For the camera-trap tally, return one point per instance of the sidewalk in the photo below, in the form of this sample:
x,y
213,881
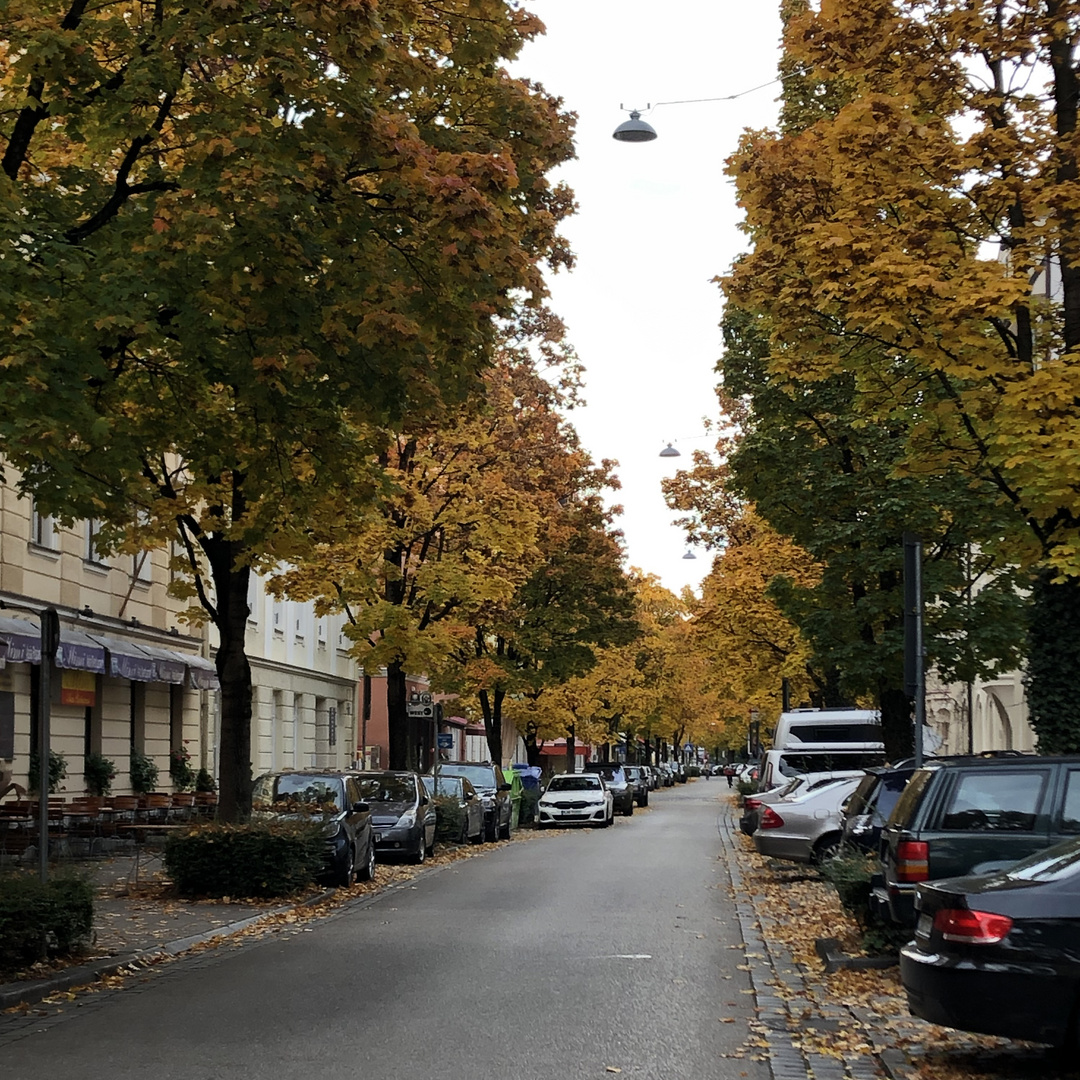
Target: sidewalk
x,y
137,923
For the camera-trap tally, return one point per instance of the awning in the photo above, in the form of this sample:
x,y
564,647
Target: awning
x,y
171,666
22,638
127,660
203,673
78,652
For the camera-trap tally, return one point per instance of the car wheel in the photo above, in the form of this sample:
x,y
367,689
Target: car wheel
x,y
629,811
367,871
463,836
421,851
645,799
610,819
431,846
347,875
490,831
504,830
827,849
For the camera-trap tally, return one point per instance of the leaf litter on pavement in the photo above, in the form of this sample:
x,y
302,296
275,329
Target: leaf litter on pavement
x,y
867,1010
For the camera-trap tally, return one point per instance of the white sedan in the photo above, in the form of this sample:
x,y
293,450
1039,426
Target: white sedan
x,y
576,799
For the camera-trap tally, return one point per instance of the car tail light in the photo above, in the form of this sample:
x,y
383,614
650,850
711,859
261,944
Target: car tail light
x,y
770,819
972,927
913,861
751,804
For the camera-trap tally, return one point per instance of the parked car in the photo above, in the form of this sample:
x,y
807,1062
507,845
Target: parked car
x,y
640,781
469,804
576,799
494,792
805,826
335,797
667,777
998,953
402,814
866,812
652,774
622,791
752,804
777,764
678,771
973,815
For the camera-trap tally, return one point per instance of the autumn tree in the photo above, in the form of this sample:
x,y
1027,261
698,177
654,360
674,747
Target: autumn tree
x,y
921,238
240,240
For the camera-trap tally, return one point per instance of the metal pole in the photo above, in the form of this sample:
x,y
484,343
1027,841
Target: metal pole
x,y
914,673
50,642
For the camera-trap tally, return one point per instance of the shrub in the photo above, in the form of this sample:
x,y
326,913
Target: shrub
x,y
180,770
693,770
449,816
271,858
851,874
57,770
98,773
204,781
143,771
38,919
745,787
529,798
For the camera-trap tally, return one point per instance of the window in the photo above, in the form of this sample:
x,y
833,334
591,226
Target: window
x,y
91,554
320,630
277,615
996,801
254,595
141,568
1070,813
300,623
42,529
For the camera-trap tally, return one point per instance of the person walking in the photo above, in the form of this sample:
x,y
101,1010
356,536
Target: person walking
x,y
729,772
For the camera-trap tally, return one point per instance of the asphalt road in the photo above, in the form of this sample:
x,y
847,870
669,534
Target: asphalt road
x,y
563,957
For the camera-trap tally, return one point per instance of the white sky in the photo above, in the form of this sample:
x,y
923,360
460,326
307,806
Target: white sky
x,y
656,222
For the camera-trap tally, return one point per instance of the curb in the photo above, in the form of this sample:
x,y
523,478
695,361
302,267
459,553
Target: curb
x,y
30,993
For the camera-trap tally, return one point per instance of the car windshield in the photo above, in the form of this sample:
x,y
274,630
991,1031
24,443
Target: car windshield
x,y
388,789
574,783
322,791
1047,865
448,785
477,775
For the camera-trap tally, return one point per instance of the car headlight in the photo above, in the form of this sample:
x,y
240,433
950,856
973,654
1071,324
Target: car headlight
x,y
331,829
407,821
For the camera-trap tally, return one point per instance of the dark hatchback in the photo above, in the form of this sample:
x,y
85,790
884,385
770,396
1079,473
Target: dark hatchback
x,y
1000,953
871,804
338,800
494,793
618,783
402,815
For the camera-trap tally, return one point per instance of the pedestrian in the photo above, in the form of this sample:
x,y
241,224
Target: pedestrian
x,y
729,772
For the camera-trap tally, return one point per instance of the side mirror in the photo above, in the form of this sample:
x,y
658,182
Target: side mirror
x,y
360,808
470,795
506,787
424,800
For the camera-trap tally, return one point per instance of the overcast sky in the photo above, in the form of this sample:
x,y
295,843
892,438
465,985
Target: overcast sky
x,y
656,222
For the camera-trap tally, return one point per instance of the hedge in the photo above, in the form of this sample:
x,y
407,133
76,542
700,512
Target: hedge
x,y
40,919
449,815
272,858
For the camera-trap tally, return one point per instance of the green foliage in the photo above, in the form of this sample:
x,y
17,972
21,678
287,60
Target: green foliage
x,y
204,781
745,787
693,770
183,775
98,773
57,770
143,771
1050,677
449,816
37,919
259,859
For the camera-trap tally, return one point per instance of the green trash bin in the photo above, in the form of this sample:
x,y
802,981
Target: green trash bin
x,y
512,777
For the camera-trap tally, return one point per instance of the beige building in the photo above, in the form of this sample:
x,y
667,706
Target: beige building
x,y
998,715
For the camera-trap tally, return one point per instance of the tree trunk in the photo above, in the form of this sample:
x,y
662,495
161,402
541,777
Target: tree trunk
x,y
657,759
532,746
491,707
402,749
1054,663
571,764
234,674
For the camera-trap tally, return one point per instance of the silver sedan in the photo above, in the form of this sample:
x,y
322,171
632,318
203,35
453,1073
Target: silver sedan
x,y
804,826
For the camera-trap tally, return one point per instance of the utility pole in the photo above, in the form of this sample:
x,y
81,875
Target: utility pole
x,y
914,675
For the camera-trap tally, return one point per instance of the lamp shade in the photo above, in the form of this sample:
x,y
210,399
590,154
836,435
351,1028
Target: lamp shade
x,y
689,554
634,130
670,451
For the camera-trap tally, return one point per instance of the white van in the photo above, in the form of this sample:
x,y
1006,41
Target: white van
x,y
829,729
778,765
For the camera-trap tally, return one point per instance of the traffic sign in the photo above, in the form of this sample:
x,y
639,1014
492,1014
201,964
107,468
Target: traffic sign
x,y
445,740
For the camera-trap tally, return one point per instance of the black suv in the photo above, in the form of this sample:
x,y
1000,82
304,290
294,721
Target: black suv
x,y
639,778
338,800
618,783
973,815
493,790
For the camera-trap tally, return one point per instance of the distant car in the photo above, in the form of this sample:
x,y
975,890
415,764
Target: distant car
x,y
464,797
997,953
638,777
804,826
678,772
667,777
402,814
493,790
870,806
622,790
652,776
335,797
576,799
752,804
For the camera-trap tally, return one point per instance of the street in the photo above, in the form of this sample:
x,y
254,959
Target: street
x,y
561,956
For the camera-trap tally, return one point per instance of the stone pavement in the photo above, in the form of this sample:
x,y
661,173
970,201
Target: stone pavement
x,y
136,921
